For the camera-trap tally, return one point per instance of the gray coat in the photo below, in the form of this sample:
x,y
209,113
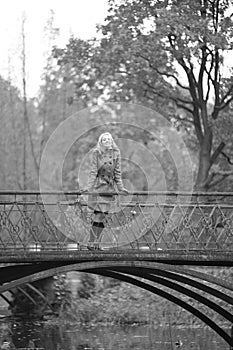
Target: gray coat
x,y
104,176
105,173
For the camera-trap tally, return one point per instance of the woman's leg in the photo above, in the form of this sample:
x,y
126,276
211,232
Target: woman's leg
x,y
96,229
95,232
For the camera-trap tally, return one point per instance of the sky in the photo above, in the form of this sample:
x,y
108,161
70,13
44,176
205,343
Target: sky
x,y
72,17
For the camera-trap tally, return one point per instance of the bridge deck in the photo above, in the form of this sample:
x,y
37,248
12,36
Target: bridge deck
x,y
214,258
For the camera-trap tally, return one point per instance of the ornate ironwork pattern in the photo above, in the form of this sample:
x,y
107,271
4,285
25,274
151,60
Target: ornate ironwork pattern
x,y
146,221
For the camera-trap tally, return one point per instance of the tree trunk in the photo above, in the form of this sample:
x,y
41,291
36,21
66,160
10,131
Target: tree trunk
x,y
204,162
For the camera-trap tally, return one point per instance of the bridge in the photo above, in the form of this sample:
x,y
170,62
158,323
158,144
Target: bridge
x,y
162,237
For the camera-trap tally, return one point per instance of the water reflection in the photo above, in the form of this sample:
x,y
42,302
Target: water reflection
x,y
35,335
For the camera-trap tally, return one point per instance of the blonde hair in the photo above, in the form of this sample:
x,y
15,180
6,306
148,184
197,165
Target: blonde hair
x,y
99,145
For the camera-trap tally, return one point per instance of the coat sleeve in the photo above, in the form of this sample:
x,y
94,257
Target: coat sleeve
x,y
93,171
117,173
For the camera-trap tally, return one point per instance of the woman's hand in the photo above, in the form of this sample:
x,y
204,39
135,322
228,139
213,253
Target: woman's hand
x,y
83,190
82,195
124,191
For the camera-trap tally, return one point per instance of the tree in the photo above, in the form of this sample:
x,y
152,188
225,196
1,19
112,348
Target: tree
x,y
50,35
159,51
184,36
85,68
10,135
28,143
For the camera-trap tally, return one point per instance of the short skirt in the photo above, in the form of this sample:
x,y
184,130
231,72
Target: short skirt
x,y
101,203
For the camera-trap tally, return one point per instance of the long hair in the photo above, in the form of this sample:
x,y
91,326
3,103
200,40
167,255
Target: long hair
x,y
100,147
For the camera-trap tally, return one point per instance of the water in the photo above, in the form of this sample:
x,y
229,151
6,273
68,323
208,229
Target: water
x,y
31,335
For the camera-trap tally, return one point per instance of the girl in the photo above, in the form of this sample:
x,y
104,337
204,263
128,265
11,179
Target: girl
x,y
105,176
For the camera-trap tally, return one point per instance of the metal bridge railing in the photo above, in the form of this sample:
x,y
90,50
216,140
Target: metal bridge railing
x,y
33,221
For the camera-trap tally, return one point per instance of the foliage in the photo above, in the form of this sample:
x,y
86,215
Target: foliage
x,y
27,303
10,140
168,55
183,42
62,294
126,304
15,136
87,286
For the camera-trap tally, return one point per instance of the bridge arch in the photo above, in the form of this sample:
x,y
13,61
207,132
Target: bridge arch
x,y
147,270
174,299
174,286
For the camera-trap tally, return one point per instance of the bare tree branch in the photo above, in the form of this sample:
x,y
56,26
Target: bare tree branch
x,y
209,76
191,79
201,72
221,107
217,152
25,109
13,115
173,98
169,75
227,94
210,182
190,121
179,105
24,105
217,181
216,86
227,157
